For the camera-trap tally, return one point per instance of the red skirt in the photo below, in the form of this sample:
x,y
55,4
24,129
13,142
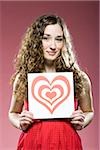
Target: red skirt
x,y
50,135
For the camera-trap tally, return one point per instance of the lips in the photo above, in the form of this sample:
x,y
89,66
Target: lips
x,y
51,53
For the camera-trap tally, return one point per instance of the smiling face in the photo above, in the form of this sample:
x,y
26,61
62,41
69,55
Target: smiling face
x,y
52,41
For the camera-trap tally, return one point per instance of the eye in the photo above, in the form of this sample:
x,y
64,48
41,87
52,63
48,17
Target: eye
x,y
59,39
45,38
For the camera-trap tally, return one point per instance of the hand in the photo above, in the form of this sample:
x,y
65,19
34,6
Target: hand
x,y
25,120
77,119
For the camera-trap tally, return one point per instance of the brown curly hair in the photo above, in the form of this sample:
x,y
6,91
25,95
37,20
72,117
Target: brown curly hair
x,y
30,57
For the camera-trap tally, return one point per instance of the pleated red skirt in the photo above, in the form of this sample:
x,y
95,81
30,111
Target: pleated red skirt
x,y
50,135
54,134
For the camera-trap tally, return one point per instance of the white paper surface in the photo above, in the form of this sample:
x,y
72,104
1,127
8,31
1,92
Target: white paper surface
x,y
51,95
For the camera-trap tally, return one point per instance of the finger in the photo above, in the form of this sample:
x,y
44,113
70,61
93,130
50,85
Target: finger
x,y
24,126
78,127
26,114
80,118
25,122
78,113
37,120
77,123
24,118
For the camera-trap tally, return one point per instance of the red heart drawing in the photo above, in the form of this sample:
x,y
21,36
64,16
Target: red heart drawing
x,y
51,95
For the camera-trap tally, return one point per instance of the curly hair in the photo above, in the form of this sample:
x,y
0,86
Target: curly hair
x,y
30,57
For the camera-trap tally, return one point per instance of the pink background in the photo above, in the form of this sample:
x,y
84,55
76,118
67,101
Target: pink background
x,y
83,22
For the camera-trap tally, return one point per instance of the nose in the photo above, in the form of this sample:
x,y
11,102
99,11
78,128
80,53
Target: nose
x,y
53,45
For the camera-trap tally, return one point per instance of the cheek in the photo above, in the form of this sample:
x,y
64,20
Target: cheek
x,y
45,45
60,46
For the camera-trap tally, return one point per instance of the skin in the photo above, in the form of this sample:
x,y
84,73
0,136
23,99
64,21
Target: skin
x,y
53,43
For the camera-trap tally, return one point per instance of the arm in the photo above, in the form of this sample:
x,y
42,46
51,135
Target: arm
x,y
84,115
19,118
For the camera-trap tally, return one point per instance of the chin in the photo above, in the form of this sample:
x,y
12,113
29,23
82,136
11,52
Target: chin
x,y
52,58
49,61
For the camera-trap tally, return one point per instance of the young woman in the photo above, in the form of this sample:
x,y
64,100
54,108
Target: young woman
x,y
47,47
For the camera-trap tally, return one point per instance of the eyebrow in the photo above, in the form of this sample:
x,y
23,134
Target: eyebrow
x,y
47,34
50,35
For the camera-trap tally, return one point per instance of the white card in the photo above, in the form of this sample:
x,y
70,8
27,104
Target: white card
x,y
51,95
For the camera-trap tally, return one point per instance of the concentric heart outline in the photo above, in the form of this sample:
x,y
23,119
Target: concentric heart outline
x,y
42,78
45,86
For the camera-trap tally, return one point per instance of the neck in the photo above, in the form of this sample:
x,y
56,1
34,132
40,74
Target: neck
x,y
49,66
49,69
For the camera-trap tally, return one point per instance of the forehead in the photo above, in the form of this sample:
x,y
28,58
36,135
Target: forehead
x,y
53,29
